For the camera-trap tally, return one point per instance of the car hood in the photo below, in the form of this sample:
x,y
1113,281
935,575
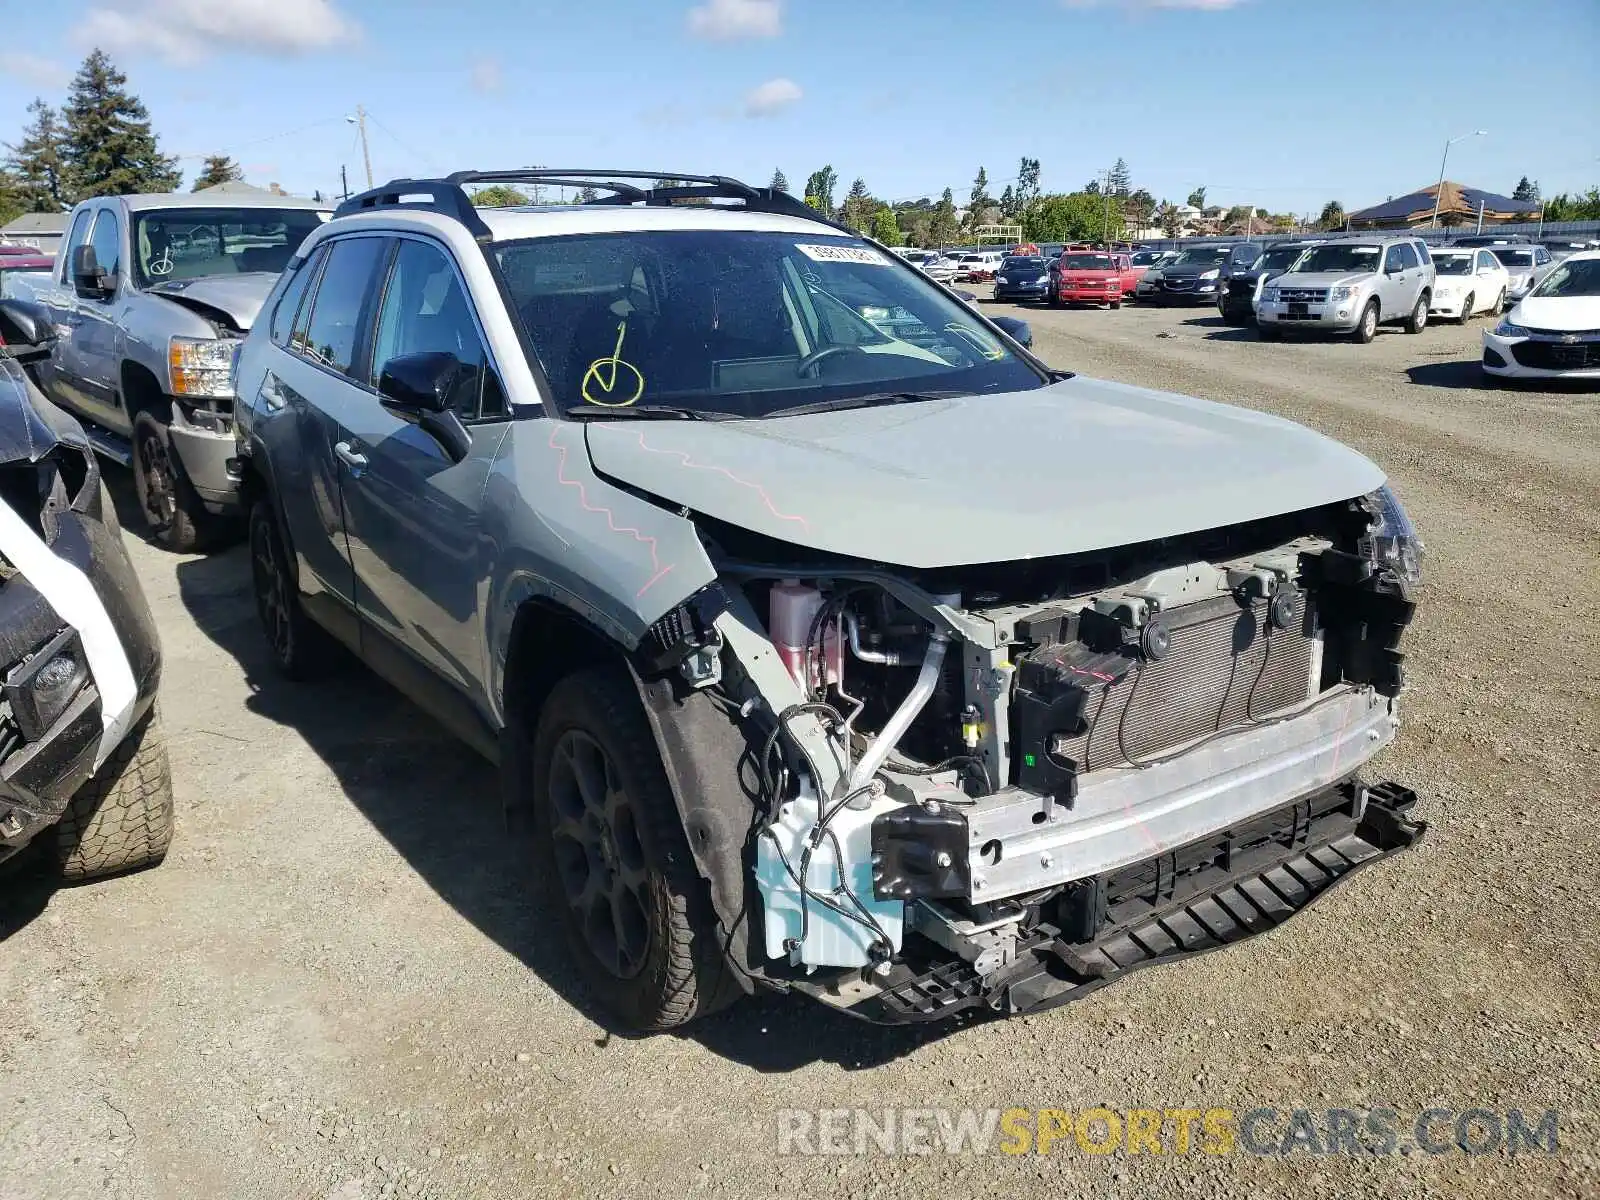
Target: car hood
x,y
1080,273
1322,279
237,297
1025,273
935,484
1192,270
1565,314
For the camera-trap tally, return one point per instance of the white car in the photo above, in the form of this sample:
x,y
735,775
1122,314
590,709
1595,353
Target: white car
x,y
1555,332
1470,281
940,268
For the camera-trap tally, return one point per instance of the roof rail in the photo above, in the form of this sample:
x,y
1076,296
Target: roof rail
x,y
449,197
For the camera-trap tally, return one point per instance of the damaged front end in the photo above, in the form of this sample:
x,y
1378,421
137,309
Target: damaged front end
x,y
1004,785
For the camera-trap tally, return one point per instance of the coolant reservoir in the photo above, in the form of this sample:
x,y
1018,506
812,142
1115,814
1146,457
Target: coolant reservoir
x,y
794,608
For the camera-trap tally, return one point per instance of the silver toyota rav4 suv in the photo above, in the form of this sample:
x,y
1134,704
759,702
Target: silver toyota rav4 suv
x,y
827,640
1351,286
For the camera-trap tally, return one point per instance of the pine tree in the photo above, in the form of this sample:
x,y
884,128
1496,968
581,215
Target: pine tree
x,y
819,189
1008,203
219,168
110,150
1526,190
587,195
35,163
1027,182
1121,178
858,206
885,229
942,230
780,182
979,199
1197,198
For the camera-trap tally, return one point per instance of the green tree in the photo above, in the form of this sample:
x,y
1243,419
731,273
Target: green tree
x,y
885,229
1197,198
109,147
1121,179
1027,183
11,205
219,168
1008,203
498,195
36,164
1092,188
1171,219
819,189
1140,207
979,199
859,207
1585,206
780,182
943,227
1077,217
1332,216
1526,190
588,195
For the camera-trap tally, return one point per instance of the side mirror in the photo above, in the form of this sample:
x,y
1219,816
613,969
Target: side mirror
x,y
87,278
419,388
1017,330
25,329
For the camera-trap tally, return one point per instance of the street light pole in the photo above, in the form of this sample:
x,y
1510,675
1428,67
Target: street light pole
x,y
1438,192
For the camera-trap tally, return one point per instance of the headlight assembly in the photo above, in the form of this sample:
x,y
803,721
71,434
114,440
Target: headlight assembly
x,y
1269,295
1507,329
201,367
1210,274
1392,539
1340,293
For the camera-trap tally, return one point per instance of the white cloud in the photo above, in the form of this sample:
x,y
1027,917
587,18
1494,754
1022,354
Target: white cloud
x,y
771,97
33,70
186,31
731,20
487,76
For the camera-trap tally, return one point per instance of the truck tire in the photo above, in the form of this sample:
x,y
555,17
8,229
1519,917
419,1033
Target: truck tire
x,y
121,818
614,861
173,514
300,648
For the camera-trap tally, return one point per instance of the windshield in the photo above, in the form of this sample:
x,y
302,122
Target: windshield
x,y
1513,258
1338,258
191,243
1145,257
1022,264
1279,258
1086,262
745,324
1208,257
1581,278
1452,264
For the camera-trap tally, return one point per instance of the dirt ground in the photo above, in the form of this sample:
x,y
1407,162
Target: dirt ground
x,y
337,986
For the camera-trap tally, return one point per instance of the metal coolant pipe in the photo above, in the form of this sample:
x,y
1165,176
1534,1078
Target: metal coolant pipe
x,y
895,727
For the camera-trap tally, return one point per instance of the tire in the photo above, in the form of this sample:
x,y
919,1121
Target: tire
x,y
1418,320
1500,303
300,648
1367,327
1466,308
173,514
121,818
614,861
1269,333
1116,304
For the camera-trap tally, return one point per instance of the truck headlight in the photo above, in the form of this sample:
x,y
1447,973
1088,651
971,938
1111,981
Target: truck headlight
x,y
1340,293
1392,539
1269,295
201,367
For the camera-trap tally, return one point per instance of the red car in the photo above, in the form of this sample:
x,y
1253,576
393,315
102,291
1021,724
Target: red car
x,y
22,260
1089,277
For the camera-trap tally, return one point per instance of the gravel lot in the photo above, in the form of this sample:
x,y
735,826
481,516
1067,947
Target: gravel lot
x,y
335,986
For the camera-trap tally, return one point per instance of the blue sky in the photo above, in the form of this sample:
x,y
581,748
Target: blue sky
x,y
1280,103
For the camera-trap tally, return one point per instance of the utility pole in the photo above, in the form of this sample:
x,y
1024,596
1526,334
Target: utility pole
x,y
366,155
1105,188
344,184
1438,192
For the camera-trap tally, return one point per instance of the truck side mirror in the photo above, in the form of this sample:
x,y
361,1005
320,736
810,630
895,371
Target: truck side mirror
x,y
87,278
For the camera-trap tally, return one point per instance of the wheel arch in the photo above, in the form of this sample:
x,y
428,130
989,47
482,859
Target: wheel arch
x,y
142,392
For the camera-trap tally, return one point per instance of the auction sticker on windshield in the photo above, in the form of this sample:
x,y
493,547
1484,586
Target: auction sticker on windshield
x,y
850,254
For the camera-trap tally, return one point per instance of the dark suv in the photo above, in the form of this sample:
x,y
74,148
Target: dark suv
x,y
1196,275
1237,302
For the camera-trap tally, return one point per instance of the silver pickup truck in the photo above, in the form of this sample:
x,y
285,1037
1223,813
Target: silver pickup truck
x,y
150,296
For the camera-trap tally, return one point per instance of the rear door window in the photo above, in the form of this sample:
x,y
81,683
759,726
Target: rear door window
x,y
333,336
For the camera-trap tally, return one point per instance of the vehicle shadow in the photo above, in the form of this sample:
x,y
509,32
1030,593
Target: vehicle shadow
x,y
1459,375
1220,331
438,803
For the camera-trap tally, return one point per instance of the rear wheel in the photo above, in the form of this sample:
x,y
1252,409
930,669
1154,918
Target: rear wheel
x,y
173,513
614,860
1367,327
1418,320
1466,309
1500,302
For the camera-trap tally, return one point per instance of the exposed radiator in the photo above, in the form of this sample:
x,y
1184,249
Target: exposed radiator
x,y
1225,665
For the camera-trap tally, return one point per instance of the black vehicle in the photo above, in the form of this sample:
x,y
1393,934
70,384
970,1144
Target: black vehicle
x,y
1023,278
1195,276
1237,300
81,748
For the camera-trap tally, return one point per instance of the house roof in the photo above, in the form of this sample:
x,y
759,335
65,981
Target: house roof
x,y
37,223
240,188
1456,197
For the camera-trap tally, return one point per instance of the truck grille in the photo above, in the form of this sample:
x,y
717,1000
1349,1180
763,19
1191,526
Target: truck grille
x,y
1224,666
1557,356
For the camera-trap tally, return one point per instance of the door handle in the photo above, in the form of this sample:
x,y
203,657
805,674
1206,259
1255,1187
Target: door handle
x,y
356,462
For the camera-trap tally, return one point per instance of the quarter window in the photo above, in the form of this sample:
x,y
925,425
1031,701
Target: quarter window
x,y
289,303
425,310
340,307
107,242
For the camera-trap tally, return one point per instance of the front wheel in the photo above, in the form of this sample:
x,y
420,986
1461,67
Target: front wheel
x,y
1418,320
1367,327
173,513
1466,309
1500,302
614,860
1116,304
121,819
300,648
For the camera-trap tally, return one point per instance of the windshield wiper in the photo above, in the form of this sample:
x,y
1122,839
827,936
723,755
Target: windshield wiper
x,y
642,412
872,401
